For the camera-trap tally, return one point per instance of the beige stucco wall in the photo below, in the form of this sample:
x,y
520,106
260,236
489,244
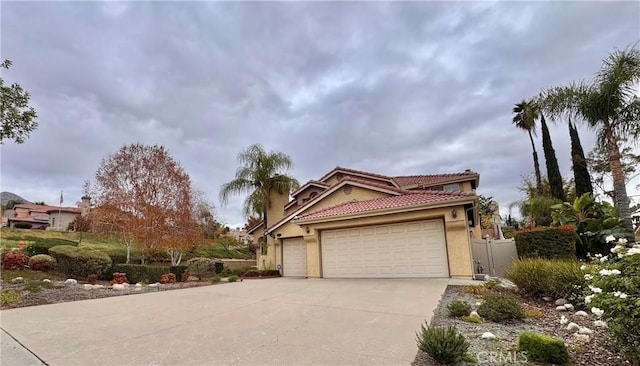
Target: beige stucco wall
x,y
61,221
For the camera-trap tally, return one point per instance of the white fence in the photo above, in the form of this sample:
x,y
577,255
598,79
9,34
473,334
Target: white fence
x,y
492,257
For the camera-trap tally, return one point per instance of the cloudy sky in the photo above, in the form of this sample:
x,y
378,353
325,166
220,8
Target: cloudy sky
x,y
393,88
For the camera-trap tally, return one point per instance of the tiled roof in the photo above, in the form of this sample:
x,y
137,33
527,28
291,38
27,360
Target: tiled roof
x,y
64,209
45,208
254,227
349,178
406,200
311,182
346,170
431,179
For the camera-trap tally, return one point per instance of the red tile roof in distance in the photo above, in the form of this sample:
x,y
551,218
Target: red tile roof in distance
x,y
45,208
430,179
416,198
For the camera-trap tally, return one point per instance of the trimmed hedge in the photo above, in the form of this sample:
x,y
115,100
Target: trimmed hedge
x,y
80,262
22,225
201,267
547,277
42,262
551,243
42,245
543,348
149,274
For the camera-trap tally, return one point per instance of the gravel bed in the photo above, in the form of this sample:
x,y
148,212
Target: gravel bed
x,y
504,348
65,293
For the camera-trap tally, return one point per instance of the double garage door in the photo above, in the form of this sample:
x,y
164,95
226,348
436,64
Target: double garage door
x,y
413,249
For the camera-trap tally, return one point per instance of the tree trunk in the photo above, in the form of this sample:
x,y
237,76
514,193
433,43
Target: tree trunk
x,y
619,187
536,166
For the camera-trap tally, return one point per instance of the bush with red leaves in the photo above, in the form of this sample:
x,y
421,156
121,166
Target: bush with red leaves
x,y
42,262
168,278
92,278
119,278
14,260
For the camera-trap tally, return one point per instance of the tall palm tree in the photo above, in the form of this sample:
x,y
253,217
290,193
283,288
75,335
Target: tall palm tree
x,y
608,104
259,174
525,119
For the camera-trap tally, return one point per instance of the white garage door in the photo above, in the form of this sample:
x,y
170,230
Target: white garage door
x,y
294,261
413,249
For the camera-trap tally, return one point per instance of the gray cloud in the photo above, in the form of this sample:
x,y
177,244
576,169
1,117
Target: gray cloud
x,y
394,88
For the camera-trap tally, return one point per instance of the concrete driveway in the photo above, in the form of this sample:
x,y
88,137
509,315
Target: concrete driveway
x,y
281,321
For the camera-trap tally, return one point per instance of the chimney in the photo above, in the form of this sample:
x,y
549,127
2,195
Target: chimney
x,y
85,205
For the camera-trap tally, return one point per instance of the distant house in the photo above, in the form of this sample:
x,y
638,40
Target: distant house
x,y
46,217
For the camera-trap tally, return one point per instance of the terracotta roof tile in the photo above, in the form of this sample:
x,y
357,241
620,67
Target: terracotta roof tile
x,y
317,182
415,198
347,170
45,208
430,179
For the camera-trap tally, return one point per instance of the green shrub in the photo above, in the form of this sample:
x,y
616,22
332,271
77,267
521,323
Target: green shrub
x,y
80,262
141,273
37,286
458,308
551,243
543,348
178,271
22,225
446,346
261,273
216,279
201,267
242,271
29,250
42,262
42,245
471,319
500,308
233,278
547,277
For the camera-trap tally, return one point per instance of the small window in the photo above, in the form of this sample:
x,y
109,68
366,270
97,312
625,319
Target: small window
x,y
451,187
313,195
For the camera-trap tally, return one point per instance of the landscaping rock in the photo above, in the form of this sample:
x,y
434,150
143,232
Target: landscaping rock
x,y
138,284
17,280
563,320
193,278
98,286
547,299
582,338
46,280
474,314
71,282
569,307
561,308
117,286
585,330
581,313
573,327
560,302
599,324
488,335
155,284
88,286
478,303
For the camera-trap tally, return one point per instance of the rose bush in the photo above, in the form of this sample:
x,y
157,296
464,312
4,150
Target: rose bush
x,y
615,293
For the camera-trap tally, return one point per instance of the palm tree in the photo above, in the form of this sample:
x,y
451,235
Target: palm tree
x,y
525,119
259,174
608,104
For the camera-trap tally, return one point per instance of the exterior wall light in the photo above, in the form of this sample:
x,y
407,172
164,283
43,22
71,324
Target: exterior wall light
x,y
454,213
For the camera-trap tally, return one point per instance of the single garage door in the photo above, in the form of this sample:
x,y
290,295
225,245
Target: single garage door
x,y
413,249
294,257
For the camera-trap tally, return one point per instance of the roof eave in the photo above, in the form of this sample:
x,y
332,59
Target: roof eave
x,y
388,211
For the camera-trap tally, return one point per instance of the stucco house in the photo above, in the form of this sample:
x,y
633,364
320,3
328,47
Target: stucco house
x,y
355,224
48,217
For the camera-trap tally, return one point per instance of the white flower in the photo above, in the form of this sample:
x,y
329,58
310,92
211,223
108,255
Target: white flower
x,y
588,277
622,241
597,312
633,251
583,267
587,299
619,294
595,290
609,272
604,259
598,255
615,272
610,238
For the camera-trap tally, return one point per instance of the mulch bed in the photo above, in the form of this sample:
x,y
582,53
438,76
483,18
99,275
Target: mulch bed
x,y
591,353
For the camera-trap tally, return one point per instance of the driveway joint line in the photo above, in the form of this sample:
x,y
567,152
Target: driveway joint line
x,y
25,347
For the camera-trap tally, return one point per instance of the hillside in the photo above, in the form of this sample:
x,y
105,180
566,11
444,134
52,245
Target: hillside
x,y
8,196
